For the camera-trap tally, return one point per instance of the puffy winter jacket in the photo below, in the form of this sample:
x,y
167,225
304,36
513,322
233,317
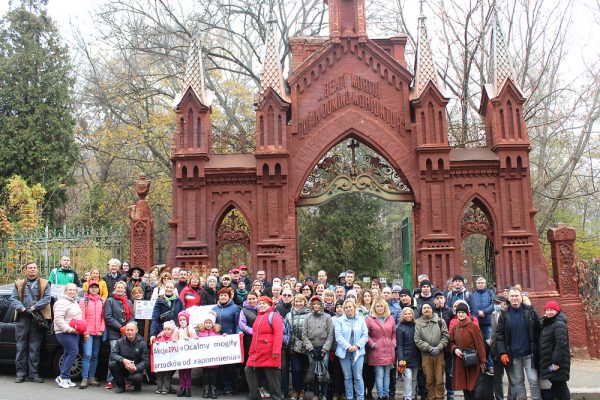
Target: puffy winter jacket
x,y
101,285
429,333
190,296
296,319
136,351
483,300
554,348
453,296
228,316
406,349
247,318
267,339
160,307
317,331
65,309
114,317
92,310
382,340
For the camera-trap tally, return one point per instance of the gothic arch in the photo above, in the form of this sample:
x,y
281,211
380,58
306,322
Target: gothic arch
x,y
474,225
342,126
238,234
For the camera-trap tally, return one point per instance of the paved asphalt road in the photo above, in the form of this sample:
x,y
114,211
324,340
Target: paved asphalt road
x,y
584,384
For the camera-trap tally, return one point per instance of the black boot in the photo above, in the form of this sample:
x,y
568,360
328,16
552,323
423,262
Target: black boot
x,y
213,392
188,392
206,392
181,392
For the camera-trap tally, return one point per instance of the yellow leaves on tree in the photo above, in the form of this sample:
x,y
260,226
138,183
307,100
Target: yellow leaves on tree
x,y
22,206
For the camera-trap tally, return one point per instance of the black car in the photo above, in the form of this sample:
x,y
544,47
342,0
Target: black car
x,y
51,355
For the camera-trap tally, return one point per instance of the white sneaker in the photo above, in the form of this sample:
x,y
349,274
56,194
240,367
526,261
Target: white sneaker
x,y
71,384
63,383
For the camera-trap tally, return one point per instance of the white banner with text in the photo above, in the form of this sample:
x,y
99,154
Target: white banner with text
x,y
197,353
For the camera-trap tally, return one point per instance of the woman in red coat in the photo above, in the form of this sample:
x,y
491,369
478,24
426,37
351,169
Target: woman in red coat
x,y
265,350
466,335
381,345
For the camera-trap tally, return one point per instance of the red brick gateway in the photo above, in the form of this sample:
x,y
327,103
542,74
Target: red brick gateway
x,y
348,88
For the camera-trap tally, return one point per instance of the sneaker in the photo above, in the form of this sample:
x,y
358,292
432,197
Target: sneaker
x,y
301,395
83,384
63,383
37,379
108,385
71,384
19,379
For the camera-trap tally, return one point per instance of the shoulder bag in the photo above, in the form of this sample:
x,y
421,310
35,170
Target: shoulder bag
x,y
469,355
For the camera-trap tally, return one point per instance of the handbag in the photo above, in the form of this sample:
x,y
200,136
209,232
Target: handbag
x,y
167,315
484,389
39,321
469,355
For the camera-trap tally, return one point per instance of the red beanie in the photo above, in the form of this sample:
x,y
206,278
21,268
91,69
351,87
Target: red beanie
x,y
553,305
79,325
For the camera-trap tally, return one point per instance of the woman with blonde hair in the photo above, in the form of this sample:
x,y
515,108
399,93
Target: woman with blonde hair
x,y
159,290
66,312
407,352
96,276
382,345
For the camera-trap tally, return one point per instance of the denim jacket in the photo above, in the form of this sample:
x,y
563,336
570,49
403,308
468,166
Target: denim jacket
x,y
343,332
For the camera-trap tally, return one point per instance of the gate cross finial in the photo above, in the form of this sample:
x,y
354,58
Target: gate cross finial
x,y
352,146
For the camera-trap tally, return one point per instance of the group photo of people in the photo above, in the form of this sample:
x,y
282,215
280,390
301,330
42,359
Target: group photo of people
x,y
311,338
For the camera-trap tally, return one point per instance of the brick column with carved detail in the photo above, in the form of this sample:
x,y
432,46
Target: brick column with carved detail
x,y
141,233
564,270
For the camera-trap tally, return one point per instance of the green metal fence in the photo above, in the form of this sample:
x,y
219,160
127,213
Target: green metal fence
x,y
87,248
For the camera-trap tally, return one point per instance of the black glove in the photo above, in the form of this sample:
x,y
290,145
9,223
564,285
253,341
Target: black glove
x,y
315,354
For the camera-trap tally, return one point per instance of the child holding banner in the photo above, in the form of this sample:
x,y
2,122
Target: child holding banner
x,y
163,378
209,374
185,332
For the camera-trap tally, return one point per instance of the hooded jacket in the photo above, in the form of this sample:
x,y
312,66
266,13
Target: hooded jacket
x,y
296,320
190,296
317,331
430,333
267,340
92,310
504,334
554,348
65,309
382,340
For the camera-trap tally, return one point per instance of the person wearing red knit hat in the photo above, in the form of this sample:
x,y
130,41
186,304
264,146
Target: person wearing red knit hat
x,y
555,355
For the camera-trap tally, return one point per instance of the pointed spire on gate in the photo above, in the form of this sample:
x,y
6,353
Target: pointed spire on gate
x,y
272,76
194,74
499,67
425,70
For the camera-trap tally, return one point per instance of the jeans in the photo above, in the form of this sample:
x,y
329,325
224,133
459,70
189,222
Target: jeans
x,y
90,350
486,332
353,370
382,380
449,369
321,389
519,367
299,366
70,344
109,375
410,383
29,341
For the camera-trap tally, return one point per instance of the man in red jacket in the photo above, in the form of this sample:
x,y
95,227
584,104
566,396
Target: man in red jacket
x,y
265,350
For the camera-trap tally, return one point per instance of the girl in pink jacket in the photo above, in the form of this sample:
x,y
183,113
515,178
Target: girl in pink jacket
x,y
185,332
93,314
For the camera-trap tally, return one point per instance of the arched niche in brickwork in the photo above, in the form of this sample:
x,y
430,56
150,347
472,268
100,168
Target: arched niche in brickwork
x,y
233,238
478,240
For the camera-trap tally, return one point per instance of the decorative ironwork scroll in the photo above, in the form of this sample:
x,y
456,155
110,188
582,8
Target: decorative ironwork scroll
x,y
475,220
350,168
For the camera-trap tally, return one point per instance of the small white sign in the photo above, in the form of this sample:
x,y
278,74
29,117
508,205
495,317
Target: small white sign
x,y
382,280
366,279
143,309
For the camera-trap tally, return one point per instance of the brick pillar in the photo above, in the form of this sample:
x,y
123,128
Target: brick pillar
x,y
564,271
141,231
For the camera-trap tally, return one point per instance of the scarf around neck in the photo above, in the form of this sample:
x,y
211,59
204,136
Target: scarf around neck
x,y
170,299
125,303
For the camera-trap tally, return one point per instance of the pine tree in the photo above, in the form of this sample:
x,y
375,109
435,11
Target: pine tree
x,y
36,122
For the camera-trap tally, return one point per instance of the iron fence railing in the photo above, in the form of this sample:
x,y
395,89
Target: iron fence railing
x,y
87,248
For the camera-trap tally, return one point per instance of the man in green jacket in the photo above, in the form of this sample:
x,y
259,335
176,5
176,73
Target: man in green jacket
x,y
431,337
64,274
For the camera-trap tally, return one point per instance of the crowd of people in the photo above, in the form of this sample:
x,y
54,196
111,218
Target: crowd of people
x,y
341,340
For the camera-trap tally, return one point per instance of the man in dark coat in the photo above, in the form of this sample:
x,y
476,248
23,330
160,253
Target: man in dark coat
x,y
555,354
128,359
114,275
31,294
517,342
